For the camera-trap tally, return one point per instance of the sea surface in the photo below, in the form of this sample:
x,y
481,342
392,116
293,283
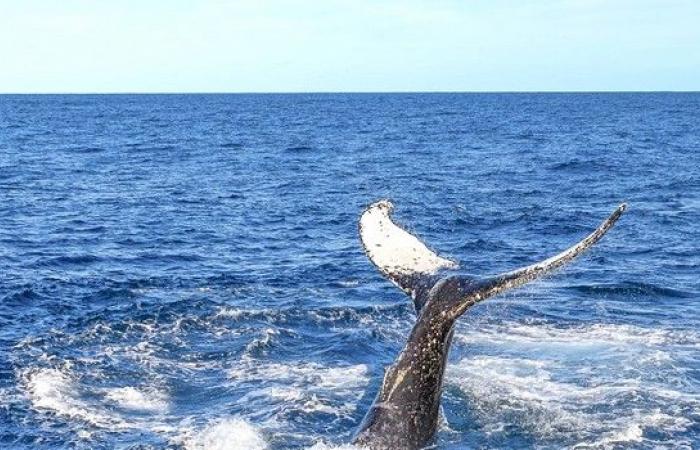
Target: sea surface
x,y
184,271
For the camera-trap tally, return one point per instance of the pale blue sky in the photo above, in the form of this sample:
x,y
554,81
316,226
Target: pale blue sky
x,y
348,45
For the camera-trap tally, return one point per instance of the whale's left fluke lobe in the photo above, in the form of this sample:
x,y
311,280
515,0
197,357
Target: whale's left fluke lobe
x,y
399,255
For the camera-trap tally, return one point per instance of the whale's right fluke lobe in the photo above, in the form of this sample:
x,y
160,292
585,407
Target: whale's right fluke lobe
x,y
518,277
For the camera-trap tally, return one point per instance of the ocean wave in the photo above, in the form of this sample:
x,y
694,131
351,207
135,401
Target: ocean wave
x,y
306,387
631,289
88,413
299,149
22,295
84,149
231,145
96,229
259,346
635,430
70,260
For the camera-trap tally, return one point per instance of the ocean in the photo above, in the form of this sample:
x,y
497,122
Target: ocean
x,y
184,271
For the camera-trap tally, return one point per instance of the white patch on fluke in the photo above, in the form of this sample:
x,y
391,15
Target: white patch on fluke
x,y
393,250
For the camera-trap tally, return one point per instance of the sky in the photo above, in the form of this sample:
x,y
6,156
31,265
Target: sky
x,y
348,45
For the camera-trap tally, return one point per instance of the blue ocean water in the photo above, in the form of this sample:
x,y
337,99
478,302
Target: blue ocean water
x,y
184,271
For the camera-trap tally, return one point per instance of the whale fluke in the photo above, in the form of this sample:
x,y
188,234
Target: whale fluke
x,y
405,413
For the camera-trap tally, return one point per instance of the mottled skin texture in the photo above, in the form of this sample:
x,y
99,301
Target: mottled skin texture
x,y
405,414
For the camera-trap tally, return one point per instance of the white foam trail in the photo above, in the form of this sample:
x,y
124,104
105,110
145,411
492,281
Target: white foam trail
x,y
55,391
229,434
607,334
633,433
140,400
322,446
306,387
312,374
563,384
303,387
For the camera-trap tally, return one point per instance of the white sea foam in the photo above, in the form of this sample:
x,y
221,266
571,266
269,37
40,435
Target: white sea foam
x,y
142,400
300,373
305,387
587,335
563,384
90,407
59,392
237,313
323,446
55,391
229,434
231,313
632,431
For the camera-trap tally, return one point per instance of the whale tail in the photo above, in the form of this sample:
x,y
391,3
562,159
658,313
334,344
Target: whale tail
x,y
415,269
405,412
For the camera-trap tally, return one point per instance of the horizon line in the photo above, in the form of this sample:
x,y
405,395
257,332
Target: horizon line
x,y
664,91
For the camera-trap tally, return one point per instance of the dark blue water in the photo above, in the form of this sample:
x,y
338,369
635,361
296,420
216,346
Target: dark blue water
x,y
185,272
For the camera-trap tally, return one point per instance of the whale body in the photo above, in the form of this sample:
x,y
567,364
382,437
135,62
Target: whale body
x,y
405,413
